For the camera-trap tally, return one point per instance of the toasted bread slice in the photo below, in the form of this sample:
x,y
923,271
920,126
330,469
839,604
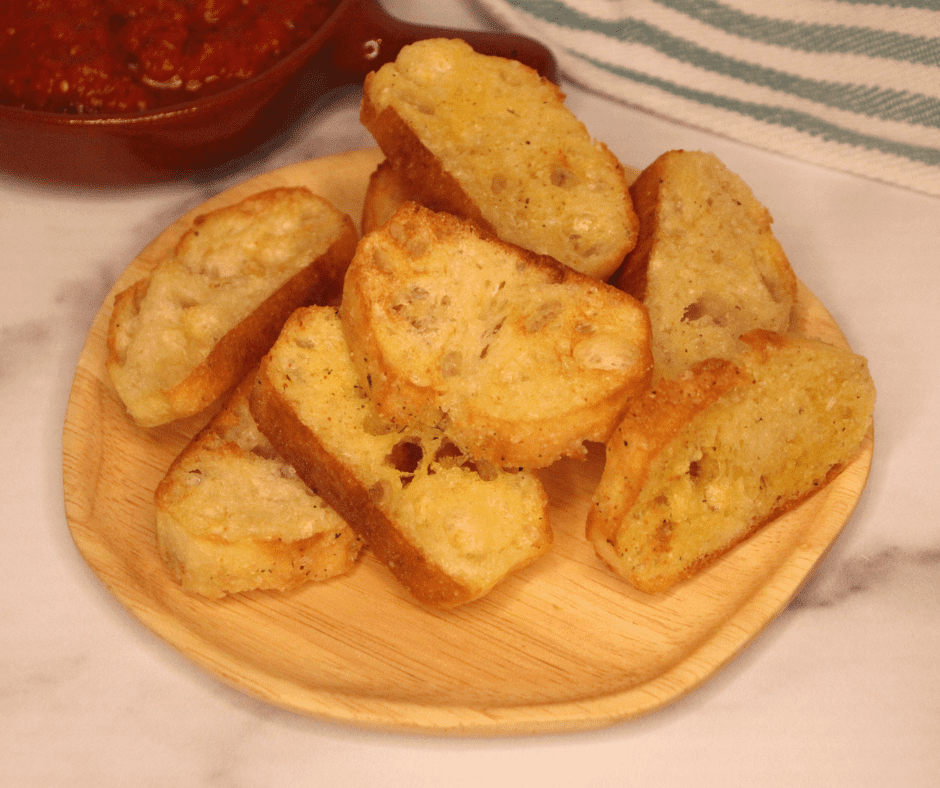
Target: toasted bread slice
x,y
448,528
232,516
488,139
704,460
184,335
706,265
385,194
519,358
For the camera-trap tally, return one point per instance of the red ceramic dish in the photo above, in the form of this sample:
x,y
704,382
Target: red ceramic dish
x,y
215,131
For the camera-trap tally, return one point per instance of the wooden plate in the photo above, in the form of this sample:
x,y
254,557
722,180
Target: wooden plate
x,y
563,645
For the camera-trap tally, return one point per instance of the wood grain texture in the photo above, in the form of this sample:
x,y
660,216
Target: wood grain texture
x,y
563,645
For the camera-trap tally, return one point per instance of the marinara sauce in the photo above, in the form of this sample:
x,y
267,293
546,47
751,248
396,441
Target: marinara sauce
x,y
124,56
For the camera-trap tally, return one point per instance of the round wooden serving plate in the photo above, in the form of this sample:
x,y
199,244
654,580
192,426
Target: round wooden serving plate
x,y
563,645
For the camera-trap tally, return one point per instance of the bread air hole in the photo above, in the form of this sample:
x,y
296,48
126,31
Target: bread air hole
x,y
563,178
485,470
382,259
450,365
185,301
702,469
416,100
305,343
405,457
707,305
542,316
511,76
416,246
591,251
378,492
662,536
375,424
449,455
417,293
773,287
605,351
488,335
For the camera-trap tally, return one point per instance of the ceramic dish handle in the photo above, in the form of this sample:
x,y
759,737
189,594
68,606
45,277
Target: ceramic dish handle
x,y
370,37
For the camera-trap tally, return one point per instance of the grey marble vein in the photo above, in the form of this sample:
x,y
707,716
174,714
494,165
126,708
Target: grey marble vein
x,y
915,571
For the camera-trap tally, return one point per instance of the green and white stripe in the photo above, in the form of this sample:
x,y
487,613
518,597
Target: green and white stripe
x,y
843,83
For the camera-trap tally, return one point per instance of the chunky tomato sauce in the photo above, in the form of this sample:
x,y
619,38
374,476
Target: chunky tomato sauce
x,y
122,56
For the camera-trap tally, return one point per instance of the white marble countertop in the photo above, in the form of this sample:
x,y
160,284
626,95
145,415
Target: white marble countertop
x,y
843,689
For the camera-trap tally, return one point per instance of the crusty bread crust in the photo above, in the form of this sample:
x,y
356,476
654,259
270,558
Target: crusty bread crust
x,y
489,140
343,489
419,174
706,263
367,497
704,460
215,569
652,422
632,277
152,402
231,515
519,358
385,194
239,350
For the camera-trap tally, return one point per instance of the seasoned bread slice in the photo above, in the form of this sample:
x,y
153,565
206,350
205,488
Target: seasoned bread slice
x,y
185,334
448,528
706,265
488,139
704,460
232,516
385,194
518,358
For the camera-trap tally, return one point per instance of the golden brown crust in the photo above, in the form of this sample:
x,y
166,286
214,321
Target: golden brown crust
x,y
231,516
385,194
420,173
490,141
126,306
164,355
632,275
240,350
337,485
366,505
214,569
518,373
650,423
705,460
706,263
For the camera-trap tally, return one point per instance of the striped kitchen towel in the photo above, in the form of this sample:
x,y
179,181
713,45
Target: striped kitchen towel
x,y
847,84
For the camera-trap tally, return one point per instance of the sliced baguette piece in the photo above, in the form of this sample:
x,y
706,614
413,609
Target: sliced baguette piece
x,y
185,334
707,264
232,516
703,460
385,194
518,358
488,139
447,527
